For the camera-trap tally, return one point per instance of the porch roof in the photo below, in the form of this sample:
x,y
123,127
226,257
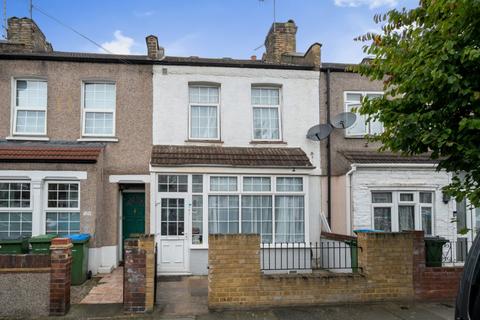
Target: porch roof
x,y
171,156
49,152
362,156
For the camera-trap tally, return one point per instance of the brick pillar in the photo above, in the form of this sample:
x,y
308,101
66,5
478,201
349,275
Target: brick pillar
x,y
418,260
60,277
138,288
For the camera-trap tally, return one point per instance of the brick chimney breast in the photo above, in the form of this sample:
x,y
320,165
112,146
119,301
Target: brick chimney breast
x,y
281,39
154,51
24,35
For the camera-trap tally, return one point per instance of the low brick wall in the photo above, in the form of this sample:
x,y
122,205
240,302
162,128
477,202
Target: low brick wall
x,y
236,281
437,283
139,274
24,277
36,285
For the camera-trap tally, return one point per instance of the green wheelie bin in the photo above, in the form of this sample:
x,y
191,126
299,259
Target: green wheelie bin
x,y
41,244
79,257
14,245
434,251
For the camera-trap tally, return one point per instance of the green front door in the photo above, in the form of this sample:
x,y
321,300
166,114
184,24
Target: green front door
x,y
133,214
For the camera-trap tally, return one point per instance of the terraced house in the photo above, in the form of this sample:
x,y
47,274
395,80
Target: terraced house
x,y
184,147
75,137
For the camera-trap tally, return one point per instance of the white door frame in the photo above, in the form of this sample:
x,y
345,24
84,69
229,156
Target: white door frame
x,y
186,235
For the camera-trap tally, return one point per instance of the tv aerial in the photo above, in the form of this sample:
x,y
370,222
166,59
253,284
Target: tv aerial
x,y
342,120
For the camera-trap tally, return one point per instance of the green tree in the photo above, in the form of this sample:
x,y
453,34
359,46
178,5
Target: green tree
x,y
429,61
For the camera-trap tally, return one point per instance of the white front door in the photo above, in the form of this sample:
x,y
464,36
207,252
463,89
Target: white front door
x,y
172,236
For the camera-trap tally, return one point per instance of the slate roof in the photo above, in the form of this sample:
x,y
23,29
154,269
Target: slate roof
x,y
59,152
143,59
362,156
169,155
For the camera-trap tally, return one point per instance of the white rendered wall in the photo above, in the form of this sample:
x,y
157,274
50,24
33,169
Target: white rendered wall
x,y
364,180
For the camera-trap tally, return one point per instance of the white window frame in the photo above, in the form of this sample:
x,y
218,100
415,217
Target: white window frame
x,y
278,107
29,209
347,107
48,209
395,227
15,108
85,110
216,105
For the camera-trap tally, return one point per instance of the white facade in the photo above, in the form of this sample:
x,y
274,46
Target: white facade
x,y
409,181
298,110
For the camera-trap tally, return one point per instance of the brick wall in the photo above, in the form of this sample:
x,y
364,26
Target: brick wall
x,y
139,269
36,285
60,276
23,34
437,283
235,279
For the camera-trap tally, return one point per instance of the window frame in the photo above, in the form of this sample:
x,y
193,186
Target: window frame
x,y
15,108
394,205
47,209
216,105
347,104
85,110
8,210
279,111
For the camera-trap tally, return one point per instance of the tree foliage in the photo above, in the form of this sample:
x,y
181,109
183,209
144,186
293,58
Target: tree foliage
x,y
429,61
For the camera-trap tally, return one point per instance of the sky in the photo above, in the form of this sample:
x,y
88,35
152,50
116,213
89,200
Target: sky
x,y
206,28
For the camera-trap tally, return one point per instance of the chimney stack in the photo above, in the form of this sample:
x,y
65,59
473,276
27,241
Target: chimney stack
x,y
154,51
281,39
23,35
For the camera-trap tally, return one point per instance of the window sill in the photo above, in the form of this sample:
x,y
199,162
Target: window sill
x,y
356,137
97,139
28,138
204,141
267,142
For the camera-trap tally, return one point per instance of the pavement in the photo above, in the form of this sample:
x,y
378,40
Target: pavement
x,y
376,311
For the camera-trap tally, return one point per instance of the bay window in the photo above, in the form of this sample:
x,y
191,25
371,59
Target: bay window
x,y
402,210
204,113
361,127
266,113
99,109
63,208
30,107
15,209
273,207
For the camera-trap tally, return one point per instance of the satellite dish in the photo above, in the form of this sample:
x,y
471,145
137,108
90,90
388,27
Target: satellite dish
x,y
344,120
319,132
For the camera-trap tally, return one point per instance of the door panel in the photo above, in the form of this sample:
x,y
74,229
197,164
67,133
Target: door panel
x,y
133,214
171,235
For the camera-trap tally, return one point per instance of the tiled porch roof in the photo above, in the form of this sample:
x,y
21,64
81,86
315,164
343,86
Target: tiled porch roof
x,y
49,152
362,156
168,155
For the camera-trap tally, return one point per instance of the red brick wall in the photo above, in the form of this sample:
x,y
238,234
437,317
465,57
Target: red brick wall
x,y
60,276
138,277
439,283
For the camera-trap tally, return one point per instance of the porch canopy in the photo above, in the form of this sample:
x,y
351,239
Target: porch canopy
x,y
57,152
174,156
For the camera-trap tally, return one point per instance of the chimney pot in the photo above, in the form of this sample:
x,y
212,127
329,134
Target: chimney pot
x,y
253,58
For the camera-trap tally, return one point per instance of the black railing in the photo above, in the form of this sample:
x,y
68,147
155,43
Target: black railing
x,y
337,256
452,253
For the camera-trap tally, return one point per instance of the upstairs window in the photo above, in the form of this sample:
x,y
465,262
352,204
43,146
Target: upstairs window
x,y
30,116
361,127
204,110
99,109
266,113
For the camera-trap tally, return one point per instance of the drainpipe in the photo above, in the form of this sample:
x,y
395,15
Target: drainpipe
x,y
329,157
348,194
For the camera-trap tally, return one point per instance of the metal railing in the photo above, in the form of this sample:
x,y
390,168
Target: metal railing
x,y
331,255
453,253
